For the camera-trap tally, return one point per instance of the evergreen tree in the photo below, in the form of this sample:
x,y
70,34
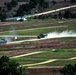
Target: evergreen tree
x,y
53,2
60,15
42,5
23,9
67,14
9,7
0,8
2,16
20,12
69,70
73,1
13,3
33,3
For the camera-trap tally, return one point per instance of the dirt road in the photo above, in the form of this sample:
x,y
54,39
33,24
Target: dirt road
x,y
26,54
45,62
43,13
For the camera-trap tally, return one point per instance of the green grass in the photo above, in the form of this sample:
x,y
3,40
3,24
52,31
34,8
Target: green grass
x,y
47,55
25,60
35,31
38,31
3,55
38,24
29,25
52,55
33,45
60,63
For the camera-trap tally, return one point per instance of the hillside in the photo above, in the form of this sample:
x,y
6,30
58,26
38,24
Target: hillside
x,y
52,6
2,2
41,45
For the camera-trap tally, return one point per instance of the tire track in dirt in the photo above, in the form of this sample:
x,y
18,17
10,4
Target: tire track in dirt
x,y
41,63
26,54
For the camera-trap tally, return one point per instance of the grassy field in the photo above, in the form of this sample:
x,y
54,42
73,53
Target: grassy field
x,y
60,63
34,31
61,49
38,26
57,49
61,54
42,44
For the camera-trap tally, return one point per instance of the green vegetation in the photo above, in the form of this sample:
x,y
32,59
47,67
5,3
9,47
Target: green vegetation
x,y
52,55
39,44
3,55
38,31
34,31
10,67
60,63
23,9
10,4
2,16
31,27
61,54
69,69
25,60
46,26
22,0
73,1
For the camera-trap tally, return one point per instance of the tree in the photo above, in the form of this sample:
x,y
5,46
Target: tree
x,y
23,9
45,5
13,3
53,2
20,12
64,0
42,4
69,70
60,15
10,67
33,3
22,0
5,3
0,8
73,1
67,14
9,7
2,16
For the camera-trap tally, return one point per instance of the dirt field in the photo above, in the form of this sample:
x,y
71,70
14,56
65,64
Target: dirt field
x,y
26,47
45,71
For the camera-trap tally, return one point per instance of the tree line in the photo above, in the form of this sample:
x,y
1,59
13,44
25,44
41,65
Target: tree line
x,y
58,15
39,5
11,4
8,7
